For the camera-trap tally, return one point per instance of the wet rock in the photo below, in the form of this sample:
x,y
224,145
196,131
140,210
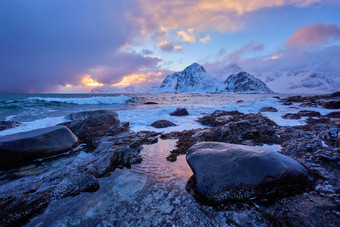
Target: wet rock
x,y
39,143
89,125
311,120
253,127
291,116
335,114
90,113
229,172
150,103
332,104
4,125
286,103
309,113
268,109
180,112
162,124
20,199
219,118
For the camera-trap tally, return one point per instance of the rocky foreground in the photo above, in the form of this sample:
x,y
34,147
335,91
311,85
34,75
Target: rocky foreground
x,y
299,186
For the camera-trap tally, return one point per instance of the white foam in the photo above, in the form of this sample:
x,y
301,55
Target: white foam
x,y
31,125
90,101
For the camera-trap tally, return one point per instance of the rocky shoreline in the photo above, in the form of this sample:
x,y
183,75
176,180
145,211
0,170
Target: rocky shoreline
x,y
107,144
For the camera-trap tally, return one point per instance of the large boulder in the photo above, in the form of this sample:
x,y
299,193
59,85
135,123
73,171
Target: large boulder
x,y
35,144
91,124
229,172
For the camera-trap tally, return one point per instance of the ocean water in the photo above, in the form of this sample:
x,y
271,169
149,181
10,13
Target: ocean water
x,y
43,110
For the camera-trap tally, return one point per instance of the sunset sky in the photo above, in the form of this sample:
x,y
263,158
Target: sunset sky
x,y
74,46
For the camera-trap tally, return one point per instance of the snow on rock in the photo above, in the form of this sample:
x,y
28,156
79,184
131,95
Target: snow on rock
x,y
194,79
112,90
301,82
245,83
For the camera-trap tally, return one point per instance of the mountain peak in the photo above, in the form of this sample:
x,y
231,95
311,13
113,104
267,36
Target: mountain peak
x,y
195,67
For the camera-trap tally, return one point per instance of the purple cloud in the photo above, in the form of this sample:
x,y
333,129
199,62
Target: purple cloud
x,y
314,34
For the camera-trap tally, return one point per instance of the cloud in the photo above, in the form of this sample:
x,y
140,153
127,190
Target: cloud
x,y
315,34
146,52
214,15
287,57
168,46
49,43
205,39
187,36
138,79
251,47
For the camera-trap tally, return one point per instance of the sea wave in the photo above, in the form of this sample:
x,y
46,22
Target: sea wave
x,y
31,125
89,101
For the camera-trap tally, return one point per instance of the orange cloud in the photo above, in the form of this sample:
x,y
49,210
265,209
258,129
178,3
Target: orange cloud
x,y
202,15
205,39
187,36
87,81
134,79
310,35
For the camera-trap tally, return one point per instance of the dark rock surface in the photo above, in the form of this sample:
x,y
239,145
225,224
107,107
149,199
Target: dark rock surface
x,y
4,125
39,143
89,125
292,116
331,101
27,194
219,118
228,172
309,113
268,109
162,124
335,114
90,113
150,103
180,112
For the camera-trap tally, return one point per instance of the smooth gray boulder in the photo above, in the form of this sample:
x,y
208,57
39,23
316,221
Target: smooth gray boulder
x,y
35,144
229,172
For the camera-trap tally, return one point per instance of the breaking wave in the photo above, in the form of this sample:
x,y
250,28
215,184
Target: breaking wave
x,y
87,101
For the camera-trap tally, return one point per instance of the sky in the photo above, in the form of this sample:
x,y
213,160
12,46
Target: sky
x,y
64,46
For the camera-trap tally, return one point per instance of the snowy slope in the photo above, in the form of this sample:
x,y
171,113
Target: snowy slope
x,y
111,90
303,82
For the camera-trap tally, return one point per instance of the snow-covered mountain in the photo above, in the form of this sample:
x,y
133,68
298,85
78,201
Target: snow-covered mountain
x,y
245,83
112,89
194,79
302,82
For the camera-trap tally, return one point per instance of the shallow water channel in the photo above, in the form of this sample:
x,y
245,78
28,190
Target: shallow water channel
x,y
151,193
